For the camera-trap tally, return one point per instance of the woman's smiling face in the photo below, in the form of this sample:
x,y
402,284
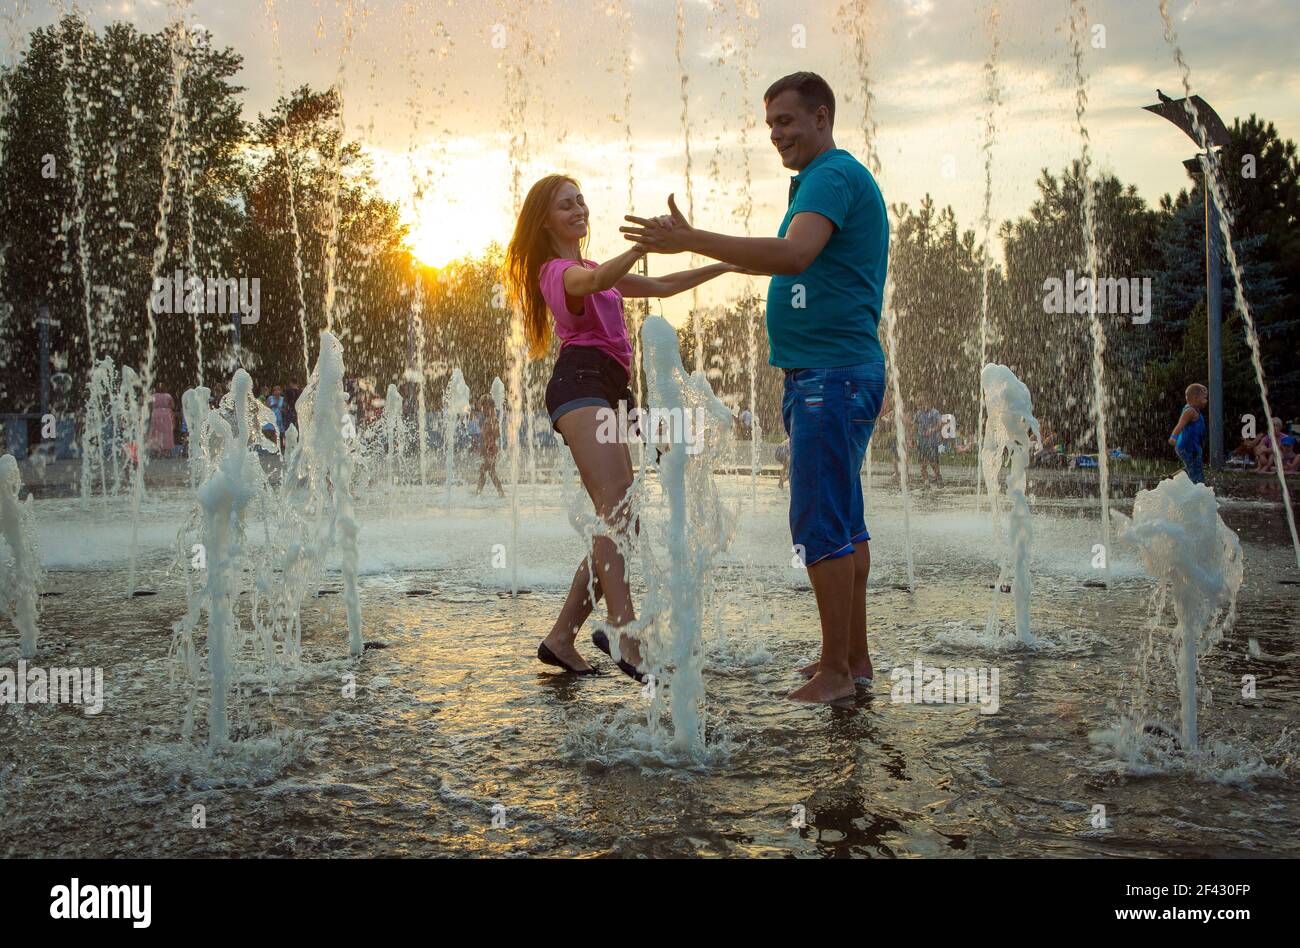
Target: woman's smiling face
x,y
567,220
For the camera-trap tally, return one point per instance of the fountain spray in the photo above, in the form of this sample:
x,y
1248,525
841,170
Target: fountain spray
x,y
335,164
679,17
1009,427
1188,549
992,99
195,403
21,573
329,433
176,35
70,108
744,11
393,432
99,418
854,17
698,528
1078,27
455,403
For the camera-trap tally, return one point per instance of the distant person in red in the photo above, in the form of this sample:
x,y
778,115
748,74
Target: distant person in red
x,y
489,445
162,426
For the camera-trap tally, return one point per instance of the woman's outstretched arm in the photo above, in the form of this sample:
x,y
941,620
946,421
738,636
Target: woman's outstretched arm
x,y
580,282
633,285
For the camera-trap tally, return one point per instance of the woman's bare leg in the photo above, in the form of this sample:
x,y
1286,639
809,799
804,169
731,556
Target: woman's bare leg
x,y
577,607
606,470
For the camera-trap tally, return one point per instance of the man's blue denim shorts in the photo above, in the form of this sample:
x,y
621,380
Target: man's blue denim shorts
x,y
829,415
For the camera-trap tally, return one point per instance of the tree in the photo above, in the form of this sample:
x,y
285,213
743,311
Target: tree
x,y
1052,351
296,167
81,181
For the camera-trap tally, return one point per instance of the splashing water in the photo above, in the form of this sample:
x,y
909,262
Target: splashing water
x,y
125,431
98,440
175,105
21,572
854,17
278,56
421,409
394,433
1078,27
1197,560
310,516
75,164
224,499
228,437
992,99
498,392
1008,429
336,172
684,79
455,403
195,403
516,97
329,440
745,11
699,528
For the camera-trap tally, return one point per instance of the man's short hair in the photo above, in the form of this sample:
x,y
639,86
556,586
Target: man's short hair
x,y
813,91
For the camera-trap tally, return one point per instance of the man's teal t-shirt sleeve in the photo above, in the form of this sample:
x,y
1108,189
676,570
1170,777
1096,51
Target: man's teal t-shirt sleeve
x,y
828,193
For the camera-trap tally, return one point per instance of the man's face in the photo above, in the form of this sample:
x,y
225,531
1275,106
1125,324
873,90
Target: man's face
x,y
795,131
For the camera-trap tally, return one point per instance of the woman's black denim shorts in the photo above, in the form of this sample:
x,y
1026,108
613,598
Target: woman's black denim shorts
x,y
586,376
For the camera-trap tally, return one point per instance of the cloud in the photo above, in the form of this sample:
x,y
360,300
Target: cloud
x,y
425,74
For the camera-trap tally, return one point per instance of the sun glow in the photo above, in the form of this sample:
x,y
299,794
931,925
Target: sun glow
x,y
441,234
451,198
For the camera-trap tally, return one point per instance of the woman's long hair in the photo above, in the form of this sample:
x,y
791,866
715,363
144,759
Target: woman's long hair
x,y
529,249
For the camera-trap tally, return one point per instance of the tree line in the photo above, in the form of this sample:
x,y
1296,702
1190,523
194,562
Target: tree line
x,y
83,120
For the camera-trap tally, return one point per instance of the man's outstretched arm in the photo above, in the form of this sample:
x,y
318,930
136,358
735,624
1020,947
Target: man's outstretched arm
x,y
789,255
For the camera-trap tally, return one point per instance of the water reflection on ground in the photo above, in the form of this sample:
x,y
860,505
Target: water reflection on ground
x,y
454,722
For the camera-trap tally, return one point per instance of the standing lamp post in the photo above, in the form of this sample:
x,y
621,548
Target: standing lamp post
x,y
1216,134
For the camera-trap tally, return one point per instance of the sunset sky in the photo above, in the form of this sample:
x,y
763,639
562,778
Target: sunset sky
x,y
426,94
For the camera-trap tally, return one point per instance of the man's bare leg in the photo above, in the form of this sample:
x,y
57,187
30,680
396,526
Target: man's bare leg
x,y
859,656
833,585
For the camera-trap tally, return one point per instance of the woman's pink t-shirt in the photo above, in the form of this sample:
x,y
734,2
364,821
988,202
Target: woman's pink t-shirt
x,y
601,324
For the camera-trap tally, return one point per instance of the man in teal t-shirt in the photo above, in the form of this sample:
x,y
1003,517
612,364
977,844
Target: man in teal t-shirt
x,y
827,316
828,264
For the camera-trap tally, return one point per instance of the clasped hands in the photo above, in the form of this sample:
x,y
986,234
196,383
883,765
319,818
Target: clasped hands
x,y
667,233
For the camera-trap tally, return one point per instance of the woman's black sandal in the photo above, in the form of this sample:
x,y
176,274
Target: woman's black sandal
x,y
546,656
601,641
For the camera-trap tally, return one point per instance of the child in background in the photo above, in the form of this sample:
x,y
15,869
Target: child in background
x,y
928,425
275,402
1273,446
783,459
1189,433
489,445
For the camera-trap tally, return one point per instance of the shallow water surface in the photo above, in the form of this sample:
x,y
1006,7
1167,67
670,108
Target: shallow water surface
x,y
454,726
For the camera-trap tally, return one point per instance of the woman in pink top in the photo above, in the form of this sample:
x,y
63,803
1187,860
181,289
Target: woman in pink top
x,y
554,285
162,426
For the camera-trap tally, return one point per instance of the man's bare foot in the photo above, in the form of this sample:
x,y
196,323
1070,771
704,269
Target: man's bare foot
x,y
859,670
562,648
824,688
